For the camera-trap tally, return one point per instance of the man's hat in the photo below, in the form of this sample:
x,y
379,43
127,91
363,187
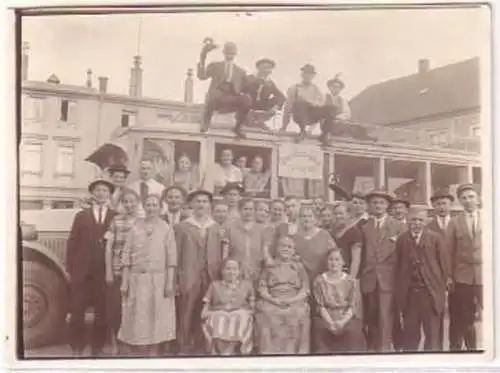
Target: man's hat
x,y
308,68
118,168
265,60
233,185
379,193
199,192
442,193
333,184
97,182
401,200
174,187
464,187
230,47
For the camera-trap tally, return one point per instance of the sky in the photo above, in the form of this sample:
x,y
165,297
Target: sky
x,y
365,46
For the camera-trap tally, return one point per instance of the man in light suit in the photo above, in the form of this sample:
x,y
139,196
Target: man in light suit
x,y
441,202
463,240
85,264
225,90
420,283
378,271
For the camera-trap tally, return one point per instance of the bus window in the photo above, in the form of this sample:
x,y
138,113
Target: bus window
x,y
406,180
186,172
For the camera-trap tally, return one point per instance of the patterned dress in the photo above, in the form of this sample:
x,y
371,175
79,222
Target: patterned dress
x,y
283,330
231,315
148,316
337,297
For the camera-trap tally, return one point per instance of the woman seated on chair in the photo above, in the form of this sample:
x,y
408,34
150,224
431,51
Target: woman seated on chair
x,y
228,313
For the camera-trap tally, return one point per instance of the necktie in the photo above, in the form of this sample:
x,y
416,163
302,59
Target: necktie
x,y
144,191
259,90
99,216
228,72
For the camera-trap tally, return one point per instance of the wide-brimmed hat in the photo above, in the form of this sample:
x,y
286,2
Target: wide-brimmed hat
x,y
442,193
308,68
118,168
97,182
379,193
231,186
464,187
265,60
404,201
174,187
199,192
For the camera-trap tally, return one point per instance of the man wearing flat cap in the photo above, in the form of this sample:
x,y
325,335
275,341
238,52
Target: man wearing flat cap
x,y
378,270
265,95
305,102
463,240
200,255
85,263
225,93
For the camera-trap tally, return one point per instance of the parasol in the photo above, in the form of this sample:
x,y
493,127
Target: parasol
x,y
108,155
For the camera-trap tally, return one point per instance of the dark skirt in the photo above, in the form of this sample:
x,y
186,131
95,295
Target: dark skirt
x,y
114,304
351,340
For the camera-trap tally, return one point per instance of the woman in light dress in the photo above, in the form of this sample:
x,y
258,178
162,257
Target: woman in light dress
x,y
337,322
282,312
185,175
227,313
150,260
223,172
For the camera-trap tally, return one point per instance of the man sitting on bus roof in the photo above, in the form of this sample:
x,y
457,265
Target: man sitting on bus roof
x,y
266,96
225,91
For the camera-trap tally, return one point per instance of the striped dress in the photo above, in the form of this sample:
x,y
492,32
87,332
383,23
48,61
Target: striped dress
x,y
230,316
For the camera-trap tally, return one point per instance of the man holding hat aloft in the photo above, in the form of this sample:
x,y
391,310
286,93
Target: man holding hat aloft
x,y
85,263
225,91
199,239
264,93
465,248
305,102
377,273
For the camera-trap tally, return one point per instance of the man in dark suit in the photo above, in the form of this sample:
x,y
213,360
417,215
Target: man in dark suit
x,y
225,92
174,197
420,283
378,271
463,240
441,202
264,93
85,262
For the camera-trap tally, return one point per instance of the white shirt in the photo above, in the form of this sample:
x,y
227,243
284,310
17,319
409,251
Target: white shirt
x,y
229,67
443,222
173,217
380,221
220,176
95,211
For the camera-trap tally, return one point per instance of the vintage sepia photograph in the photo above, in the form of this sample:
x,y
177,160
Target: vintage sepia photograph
x,y
261,181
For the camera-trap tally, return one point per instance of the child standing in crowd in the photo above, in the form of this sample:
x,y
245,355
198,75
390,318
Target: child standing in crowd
x,y
228,313
337,324
115,241
150,259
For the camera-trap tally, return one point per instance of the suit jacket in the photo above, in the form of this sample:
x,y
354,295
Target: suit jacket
x,y
197,255
379,255
433,268
165,217
269,90
434,226
465,251
216,71
86,244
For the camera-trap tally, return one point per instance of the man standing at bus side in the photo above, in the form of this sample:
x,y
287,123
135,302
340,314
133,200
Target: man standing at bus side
x,y
378,271
225,91
464,245
85,262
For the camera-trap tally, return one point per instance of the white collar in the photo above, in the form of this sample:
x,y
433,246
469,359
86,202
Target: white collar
x,y
380,220
208,223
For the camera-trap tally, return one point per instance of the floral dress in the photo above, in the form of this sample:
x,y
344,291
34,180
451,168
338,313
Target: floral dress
x,y
148,317
283,330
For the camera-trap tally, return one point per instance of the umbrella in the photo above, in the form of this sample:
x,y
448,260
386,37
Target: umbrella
x,y
108,155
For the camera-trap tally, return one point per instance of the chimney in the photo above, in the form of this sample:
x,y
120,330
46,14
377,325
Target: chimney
x,y
25,61
188,87
423,65
135,88
88,84
103,84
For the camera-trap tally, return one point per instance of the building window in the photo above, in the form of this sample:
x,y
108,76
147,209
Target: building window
x,y
31,205
476,131
63,204
68,111
34,108
31,158
128,119
65,160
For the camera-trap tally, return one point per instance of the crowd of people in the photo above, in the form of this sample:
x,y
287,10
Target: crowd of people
x,y
256,98
171,272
